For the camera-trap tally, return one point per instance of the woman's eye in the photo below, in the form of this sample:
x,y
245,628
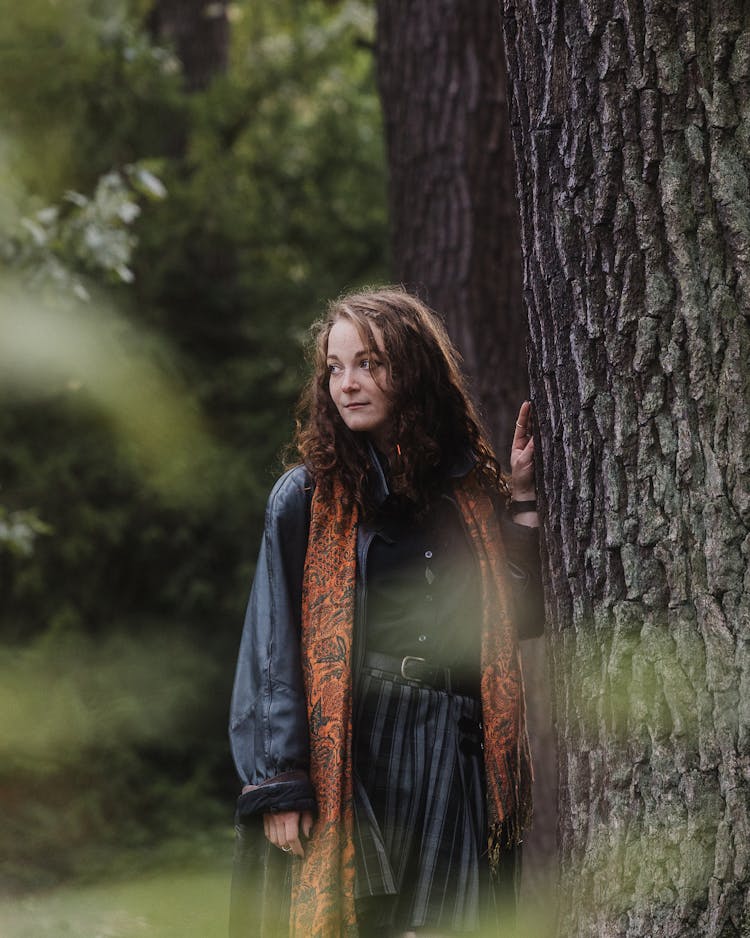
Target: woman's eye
x,y
333,368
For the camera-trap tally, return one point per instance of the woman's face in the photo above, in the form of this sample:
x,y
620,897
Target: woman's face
x,y
358,381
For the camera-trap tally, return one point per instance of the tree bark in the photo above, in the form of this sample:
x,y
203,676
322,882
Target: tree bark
x,y
199,31
631,121
454,221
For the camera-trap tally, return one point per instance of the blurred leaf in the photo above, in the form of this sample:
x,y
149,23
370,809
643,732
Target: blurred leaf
x,y
147,183
19,530
65,696
43,348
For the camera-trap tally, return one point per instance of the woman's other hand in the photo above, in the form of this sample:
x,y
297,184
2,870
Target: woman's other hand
x,y
283,830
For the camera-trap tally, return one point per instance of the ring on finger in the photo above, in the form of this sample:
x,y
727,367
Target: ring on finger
x,y
286,848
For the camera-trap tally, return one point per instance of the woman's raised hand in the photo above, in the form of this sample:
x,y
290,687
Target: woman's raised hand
x,y
522,457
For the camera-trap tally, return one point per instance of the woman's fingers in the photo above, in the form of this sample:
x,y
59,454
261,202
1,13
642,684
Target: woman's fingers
x,y
288,828
282,830
522,455
291,833
307,823
521,434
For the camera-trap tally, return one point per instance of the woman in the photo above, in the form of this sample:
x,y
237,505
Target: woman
x,y
378,720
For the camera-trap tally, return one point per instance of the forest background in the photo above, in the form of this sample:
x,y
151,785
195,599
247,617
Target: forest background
x,y
170,225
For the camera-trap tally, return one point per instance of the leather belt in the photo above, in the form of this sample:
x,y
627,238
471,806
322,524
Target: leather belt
x,y
412,668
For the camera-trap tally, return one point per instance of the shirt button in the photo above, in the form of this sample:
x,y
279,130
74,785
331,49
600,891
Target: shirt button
x,y
422,638
428,554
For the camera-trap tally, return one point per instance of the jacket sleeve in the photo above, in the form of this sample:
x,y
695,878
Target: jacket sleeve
x,y
522,552
268,718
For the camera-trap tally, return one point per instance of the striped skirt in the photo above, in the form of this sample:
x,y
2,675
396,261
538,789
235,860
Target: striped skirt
x,y
420,817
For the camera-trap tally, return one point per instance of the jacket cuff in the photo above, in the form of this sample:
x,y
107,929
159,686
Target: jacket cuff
x,y
295,794
523,532
523,565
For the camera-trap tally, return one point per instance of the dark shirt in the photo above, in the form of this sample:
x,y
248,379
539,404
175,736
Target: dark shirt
x,y
423,590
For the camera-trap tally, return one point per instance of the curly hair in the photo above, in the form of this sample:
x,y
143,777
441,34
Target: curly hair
x,y
434,418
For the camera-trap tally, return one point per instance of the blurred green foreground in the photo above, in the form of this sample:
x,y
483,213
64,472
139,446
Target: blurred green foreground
x,y
167,905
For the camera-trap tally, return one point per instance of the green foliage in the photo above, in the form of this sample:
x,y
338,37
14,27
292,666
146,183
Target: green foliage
x,y
92,235
19,530
164,255
82,90
277,205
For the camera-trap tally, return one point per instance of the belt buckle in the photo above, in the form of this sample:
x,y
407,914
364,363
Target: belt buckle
x,y
403,662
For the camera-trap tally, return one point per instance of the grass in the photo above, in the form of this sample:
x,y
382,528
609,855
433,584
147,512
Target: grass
x,y
168,904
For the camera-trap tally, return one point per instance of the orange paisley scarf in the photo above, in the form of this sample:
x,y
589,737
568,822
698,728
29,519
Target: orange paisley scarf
x,y
323,883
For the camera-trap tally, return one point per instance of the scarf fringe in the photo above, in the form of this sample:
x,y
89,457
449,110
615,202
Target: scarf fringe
x,y
507,832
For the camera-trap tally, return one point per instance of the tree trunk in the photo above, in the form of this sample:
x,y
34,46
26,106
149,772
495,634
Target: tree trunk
x,y
199,32
454,220
631,122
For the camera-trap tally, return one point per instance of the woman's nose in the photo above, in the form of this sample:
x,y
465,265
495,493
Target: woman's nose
x,y
350,382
